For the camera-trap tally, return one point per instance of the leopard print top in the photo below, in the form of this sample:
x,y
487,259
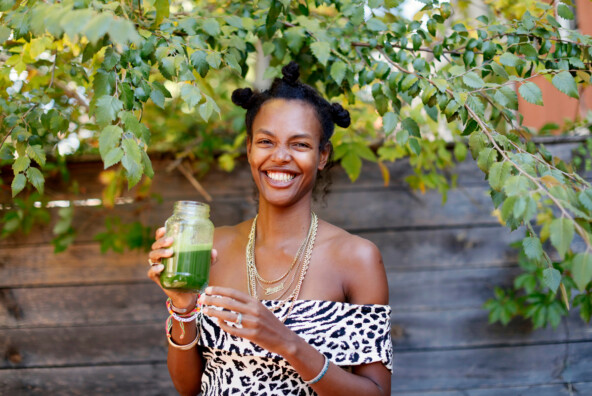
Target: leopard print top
x,y
348,334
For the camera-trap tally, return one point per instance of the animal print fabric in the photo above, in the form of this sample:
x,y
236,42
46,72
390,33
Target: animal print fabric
x,y
348,334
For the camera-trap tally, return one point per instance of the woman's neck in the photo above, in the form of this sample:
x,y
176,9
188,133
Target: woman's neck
x,y
281,226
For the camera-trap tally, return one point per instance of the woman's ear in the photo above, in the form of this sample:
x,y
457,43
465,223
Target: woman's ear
x,y
324,156
249,142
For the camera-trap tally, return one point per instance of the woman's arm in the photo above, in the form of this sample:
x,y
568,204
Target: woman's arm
x,y
185,366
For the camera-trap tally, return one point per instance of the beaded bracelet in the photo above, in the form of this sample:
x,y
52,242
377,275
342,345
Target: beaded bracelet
x,y
181,318
321,374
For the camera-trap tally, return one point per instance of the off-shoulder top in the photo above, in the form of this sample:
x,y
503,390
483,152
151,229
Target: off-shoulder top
x,y
348,334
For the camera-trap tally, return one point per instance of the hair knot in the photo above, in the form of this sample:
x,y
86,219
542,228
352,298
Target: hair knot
x,y
242,97
291,73
340,115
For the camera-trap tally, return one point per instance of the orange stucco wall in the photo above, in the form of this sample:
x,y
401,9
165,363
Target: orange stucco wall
x,y
558,106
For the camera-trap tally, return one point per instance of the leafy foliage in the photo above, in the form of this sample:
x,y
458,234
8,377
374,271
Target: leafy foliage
x,y
122,77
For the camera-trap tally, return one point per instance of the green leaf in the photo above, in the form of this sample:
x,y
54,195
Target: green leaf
x,y
231,61
109,139
506,97
565,82
472,80
582,270
162,10
6,5
37,153
376,25
411,126
123,32
408,81
106,109
532,248
460,151
562,233
531,93
511,60
21,164
498,174
414,145
338,70
4,33
190,95
18,183
352,164
113,156
499,70
552,278
65,220
98,27
36,178
211,27
389,122
147,164
321,50
127,95
132,161
487,157
402,137
75,21
516,185
585,198
295,38
564,12
214,60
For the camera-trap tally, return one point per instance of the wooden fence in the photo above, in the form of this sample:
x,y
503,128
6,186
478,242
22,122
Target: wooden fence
x,y
82,322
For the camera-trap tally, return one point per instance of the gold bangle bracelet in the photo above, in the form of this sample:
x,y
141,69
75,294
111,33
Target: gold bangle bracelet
x,y
186,346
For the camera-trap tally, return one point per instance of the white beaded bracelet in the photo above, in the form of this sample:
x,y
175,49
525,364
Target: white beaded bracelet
x,y
185,319
321,374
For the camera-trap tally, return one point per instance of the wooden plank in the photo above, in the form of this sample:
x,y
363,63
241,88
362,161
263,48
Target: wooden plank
x,y
81,264
83,345
469,328
568,389
449,289
421,371
115,304
149,379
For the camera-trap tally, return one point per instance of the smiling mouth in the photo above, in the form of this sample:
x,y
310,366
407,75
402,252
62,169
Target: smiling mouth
x,y
280,176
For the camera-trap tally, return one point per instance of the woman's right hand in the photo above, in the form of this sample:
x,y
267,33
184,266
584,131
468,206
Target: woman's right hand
x,y
161,249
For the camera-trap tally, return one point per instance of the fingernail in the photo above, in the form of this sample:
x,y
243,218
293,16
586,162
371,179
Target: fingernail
x,y
169,239
158,267
201,299
208,290
169,251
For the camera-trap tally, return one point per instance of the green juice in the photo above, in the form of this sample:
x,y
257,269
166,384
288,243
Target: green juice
x,y
188,269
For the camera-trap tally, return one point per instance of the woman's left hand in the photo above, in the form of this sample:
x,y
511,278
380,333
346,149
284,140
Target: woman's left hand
x,y
257,323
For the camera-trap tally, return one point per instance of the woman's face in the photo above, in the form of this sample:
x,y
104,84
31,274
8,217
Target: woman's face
x,y
284,151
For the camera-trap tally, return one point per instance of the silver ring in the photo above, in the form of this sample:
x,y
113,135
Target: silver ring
x,y
239,319
152,263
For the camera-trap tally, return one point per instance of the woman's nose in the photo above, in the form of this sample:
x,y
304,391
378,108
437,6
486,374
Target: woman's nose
x,y
281,154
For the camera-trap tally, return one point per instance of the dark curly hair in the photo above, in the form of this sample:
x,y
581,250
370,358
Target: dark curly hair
x,y
288,87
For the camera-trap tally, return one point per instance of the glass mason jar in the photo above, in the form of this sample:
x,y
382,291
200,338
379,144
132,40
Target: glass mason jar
x,y
193,233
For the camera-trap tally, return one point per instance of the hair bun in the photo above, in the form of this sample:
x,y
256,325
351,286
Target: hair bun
x,y
242,97
291,73
340,115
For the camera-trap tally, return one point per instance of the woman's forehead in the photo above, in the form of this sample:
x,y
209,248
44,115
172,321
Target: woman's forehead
x,y
278,115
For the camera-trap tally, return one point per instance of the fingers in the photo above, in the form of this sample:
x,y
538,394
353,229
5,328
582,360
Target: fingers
x,y
160,232
222,302
156,255
214,256
228,292
154,272
162,243
228,316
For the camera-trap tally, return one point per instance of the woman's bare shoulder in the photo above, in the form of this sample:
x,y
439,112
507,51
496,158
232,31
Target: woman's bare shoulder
x,y
361,261
226,236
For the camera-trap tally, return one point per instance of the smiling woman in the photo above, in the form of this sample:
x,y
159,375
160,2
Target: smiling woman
x,y
297,306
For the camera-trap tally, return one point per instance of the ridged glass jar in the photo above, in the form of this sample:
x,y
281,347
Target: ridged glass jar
x,y
193,234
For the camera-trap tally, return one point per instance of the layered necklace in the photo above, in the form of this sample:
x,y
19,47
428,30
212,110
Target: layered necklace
x,y
279,284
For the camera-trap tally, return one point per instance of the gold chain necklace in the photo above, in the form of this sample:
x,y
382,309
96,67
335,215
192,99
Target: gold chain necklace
x,y
251,281
269,290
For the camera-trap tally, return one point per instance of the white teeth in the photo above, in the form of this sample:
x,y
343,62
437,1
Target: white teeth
x,y
280,176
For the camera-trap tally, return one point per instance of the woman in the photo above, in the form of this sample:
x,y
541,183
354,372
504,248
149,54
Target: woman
x,y
296,305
